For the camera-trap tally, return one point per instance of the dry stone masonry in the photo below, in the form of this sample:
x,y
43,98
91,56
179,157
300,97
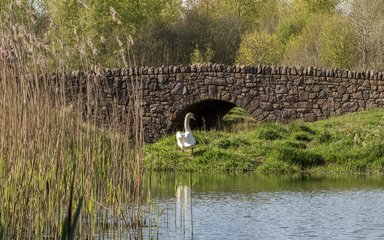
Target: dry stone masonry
x,y
268,93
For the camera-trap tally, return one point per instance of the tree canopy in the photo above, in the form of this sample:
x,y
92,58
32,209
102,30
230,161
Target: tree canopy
x,y
324,33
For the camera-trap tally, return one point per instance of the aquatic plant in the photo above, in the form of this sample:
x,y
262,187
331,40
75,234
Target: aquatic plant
x,y
41,139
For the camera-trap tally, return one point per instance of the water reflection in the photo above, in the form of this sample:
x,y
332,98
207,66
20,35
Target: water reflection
x,y
163,184
250,206
183,210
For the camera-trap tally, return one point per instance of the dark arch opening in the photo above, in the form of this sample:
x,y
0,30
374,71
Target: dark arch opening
x,y
208,113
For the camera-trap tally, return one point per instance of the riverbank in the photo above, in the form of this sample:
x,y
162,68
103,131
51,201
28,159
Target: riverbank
x,y
352,143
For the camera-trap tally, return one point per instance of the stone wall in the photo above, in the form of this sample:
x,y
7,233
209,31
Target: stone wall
x,y
268,93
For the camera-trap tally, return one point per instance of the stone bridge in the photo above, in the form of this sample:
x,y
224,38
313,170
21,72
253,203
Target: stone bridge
x,y
267,93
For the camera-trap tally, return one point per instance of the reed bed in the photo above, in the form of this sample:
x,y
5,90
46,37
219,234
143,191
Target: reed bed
x,y
53,158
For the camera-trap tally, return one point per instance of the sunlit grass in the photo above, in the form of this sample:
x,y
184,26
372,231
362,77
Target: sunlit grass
x,y
352,143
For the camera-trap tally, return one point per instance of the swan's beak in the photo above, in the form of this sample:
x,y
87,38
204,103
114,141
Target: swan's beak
x,y
193,117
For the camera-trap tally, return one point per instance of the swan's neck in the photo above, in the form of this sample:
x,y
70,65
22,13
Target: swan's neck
x,y
187,128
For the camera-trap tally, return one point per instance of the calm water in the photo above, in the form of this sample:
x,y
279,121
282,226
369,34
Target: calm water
x,y
249,206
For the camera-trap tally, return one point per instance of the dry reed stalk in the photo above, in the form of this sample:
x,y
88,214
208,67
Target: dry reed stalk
x,y
41,139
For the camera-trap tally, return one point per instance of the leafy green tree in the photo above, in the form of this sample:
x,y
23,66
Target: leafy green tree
x,y
200,57
315,6
105,31
259,47
155,32
337,44
290,27
197,56
325,41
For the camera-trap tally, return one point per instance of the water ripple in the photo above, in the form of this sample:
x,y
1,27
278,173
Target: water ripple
x,y
320,214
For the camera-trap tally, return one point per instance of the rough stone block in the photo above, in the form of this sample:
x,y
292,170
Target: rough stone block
x,y
371,104
304,105
257,112
310,117
303,96
350,107
361,103
357,95
374,94
266,106
329,104
345,98
178,89
281,89
264,98
291,99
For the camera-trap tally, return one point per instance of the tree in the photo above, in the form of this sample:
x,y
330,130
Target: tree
x,y
105,30
304,49
199,57
259,47
367,18
315,6
325,41
337,44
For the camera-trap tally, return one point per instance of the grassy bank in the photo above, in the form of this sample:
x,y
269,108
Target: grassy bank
x,y
353,143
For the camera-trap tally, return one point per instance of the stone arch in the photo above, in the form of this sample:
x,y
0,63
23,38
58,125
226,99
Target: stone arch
x,y
208,113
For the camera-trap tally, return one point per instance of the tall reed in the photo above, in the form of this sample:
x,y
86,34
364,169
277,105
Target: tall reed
x,y
43,142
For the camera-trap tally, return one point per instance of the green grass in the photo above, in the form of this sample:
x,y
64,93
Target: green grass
x,y
352,143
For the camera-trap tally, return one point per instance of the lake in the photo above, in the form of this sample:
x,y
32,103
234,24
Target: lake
x,y
251,206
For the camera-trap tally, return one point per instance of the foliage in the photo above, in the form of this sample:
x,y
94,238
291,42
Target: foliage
x,y
259,47
315,6
325,33
159,32
199,57
337,44
305,48
290,27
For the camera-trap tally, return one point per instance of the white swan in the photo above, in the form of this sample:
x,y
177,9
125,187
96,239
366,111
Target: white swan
x,y
185,139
